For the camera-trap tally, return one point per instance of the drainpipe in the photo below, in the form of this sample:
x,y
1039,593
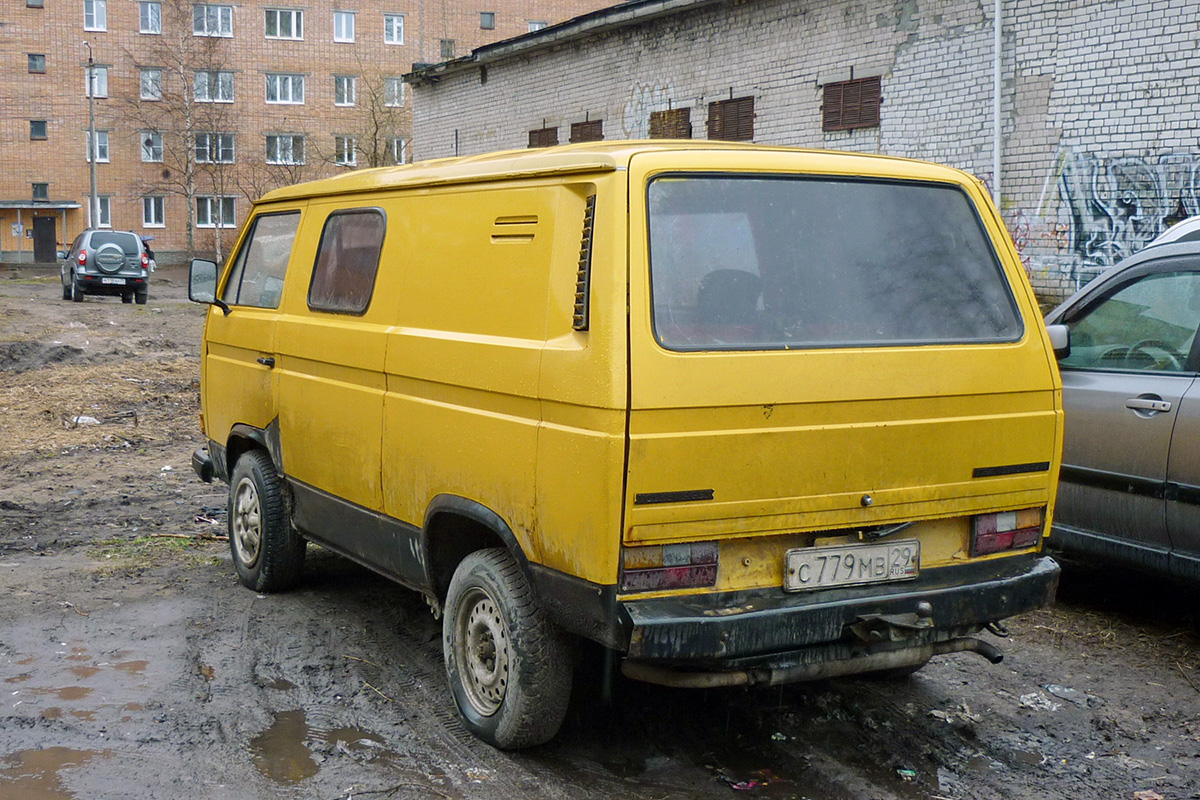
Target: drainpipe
x,y
996,107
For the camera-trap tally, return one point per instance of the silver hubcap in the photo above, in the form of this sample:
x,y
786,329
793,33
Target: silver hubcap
x,y
247,522
482,651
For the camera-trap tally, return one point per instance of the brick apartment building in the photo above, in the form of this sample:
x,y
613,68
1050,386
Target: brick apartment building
x,y
200,107
1100,100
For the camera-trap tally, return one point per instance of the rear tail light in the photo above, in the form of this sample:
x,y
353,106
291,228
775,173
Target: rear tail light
x,y
1006,530
669,566
82,257
145,261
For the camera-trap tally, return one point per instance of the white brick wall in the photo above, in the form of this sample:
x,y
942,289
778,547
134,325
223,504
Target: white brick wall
x,y
1100,101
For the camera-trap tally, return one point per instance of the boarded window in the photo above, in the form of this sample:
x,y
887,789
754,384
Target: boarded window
x,y
347,260
543,137
675,123
591,131
731,120
851,104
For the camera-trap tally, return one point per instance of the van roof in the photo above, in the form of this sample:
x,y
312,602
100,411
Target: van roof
x,y
588,157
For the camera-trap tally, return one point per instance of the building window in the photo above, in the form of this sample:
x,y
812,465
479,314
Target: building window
x,y
590,131
344,90
152,146
99,82
537,25
153,208
393,29
35,4
399,150
487,20
150,19
847,105
214,148
285,148
101,150
731,120
285,23
37,129
104,204
543,137
213,87
95,15
285,89
41,191
345,151
37,62
212,20
214,211
151,84
393,92
674,123
343,26
447,49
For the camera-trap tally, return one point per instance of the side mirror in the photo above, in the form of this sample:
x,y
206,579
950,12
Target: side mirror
x,y
202,284
1060,340
61,254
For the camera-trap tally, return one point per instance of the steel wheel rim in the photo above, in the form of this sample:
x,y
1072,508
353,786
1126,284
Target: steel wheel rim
x,y
483,651
247,523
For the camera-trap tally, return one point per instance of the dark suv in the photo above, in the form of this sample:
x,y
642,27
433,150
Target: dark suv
x,y
106,262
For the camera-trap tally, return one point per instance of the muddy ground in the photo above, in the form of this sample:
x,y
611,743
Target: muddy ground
x,y
133,665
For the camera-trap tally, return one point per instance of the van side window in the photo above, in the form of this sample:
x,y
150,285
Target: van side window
x,y
347,260
256,278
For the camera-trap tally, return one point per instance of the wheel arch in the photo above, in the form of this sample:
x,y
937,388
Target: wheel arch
x,y
454,528
243,438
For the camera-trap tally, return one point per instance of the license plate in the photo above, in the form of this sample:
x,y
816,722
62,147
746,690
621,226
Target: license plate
x,y
851,565
116,281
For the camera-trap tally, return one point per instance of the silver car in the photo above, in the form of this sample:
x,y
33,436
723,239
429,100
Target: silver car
x,y
106,262
1130,485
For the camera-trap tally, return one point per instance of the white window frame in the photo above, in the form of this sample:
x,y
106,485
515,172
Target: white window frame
x,y
152,154
101,82
393,29
204,81
101,149
154,207
275,154
150,86
150,17
343,26
221,203
536,24
104,207
292,81
345,151
217,20
95,15
399,149
296,23
393,92
217,148
345,90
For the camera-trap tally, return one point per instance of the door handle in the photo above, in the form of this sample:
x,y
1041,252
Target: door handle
x,y
269,362
1148,404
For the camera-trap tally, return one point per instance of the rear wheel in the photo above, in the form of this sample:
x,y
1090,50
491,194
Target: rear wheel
x,y
141,297
76,289
267,555
509,667
127,297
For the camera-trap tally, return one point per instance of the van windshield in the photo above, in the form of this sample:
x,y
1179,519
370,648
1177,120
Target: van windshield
x,y
778,262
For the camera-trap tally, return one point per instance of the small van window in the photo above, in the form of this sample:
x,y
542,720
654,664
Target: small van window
x,y
256,278
780,262
347,260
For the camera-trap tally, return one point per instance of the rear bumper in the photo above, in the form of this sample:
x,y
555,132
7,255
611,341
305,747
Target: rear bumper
x,y
744,628
202,463
94,284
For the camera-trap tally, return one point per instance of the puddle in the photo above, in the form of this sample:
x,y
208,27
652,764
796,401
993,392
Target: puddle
x,y
53,712
280,684
87,715
132,707
66,693
132,667
19,678
354,739
83,672
27,660
280,752
1032,757
33,774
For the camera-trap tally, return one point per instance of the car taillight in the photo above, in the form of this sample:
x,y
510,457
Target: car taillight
x,y
669,566
1006,530
145,261
82,257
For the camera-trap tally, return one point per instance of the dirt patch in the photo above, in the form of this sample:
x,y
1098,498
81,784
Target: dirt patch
x,y
25,356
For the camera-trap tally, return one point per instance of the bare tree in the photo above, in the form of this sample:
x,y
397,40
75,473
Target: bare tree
x,y
377,123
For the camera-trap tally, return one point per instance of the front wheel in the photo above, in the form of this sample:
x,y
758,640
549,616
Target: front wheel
x,y
267,555
509,667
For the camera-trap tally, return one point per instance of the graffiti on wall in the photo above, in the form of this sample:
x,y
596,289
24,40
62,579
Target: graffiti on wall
x,y
643,98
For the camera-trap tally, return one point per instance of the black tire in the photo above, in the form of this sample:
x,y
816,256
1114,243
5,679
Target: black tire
x,y
141,297
66,292
267,554
127,298
509,667
75,289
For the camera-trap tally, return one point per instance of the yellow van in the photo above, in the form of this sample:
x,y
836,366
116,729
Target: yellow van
x,y
739,414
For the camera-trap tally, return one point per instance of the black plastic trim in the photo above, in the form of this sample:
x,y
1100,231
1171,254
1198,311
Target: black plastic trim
x,y
1113,481
684,496
584,608
1010,469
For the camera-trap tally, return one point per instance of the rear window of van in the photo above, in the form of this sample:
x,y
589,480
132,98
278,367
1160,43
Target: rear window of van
x,y
780,262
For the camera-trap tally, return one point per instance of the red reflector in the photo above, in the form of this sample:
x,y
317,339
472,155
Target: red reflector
x,y
645,580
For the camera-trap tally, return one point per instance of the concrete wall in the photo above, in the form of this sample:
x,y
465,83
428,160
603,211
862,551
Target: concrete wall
x,y
1100,101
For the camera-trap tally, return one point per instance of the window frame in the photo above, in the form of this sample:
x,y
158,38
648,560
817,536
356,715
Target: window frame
x,y
345,90
157,142
151,24
156,85
222,14
341,14
104,211
100,72
297,24
40,191
45,130
101,151
345,151
219,200
237,270
312,280
393,99
398,147
36,63
292,80
151,203
487,20
97,10
291,160
218,78
220,138
393,29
